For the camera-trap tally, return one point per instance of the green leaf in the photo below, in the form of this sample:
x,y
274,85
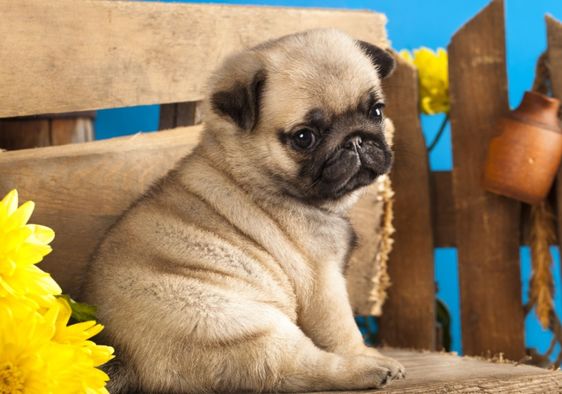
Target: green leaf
x,y
80,312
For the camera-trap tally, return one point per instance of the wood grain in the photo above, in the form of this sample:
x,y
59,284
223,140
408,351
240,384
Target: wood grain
x,y
179,115
444,216
554,40
34,132
446,373
24,133
432,373
443,209
487,225
80,189
124,53
408,318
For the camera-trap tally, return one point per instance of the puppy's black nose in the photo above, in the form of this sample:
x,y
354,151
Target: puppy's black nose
x,y
353,143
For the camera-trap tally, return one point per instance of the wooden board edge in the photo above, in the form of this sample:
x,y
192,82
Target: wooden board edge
x,y
149,141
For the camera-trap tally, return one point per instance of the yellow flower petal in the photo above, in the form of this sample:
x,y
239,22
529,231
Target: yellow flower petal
x,y
14,239
41,234
10,202
433,79
406,55
29,253
20,216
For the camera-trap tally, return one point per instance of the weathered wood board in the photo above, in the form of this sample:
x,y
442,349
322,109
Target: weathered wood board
x,y
408,318
21,134
80,190
35,132
179,115
446,373
487,225
124,53
443,209
443,212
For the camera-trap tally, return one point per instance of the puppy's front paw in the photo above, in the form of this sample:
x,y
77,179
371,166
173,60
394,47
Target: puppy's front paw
x,y
367,374
382,377
397,370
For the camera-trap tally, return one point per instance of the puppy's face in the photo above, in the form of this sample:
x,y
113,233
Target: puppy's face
x,y
305,112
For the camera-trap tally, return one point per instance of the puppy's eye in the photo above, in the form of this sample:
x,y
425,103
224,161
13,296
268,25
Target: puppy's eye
x,y
304,139
375,113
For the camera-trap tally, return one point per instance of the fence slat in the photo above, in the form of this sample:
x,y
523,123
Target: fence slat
x,y
443,209
487,225
60,56
24,133
408,318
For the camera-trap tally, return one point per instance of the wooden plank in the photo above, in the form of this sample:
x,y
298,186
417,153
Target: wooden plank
x,y
167,117
432,373
446,373
554,40
443,209
179,115
487,225
80,189
58,58
21,134
408,318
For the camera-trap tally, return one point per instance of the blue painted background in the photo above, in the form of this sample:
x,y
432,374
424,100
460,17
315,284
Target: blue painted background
x,y
411,24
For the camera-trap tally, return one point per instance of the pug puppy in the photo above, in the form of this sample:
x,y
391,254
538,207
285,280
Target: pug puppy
x,y
227,275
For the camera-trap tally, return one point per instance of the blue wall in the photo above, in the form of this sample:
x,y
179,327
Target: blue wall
x,y
411,24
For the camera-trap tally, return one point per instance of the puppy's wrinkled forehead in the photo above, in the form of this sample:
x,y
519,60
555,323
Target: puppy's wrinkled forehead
x,y
323,69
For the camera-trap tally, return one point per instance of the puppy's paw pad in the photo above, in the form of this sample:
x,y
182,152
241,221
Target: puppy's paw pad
x,y
382,376
397,370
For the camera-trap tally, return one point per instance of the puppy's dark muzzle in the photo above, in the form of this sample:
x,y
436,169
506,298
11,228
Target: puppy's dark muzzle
x,y
361,158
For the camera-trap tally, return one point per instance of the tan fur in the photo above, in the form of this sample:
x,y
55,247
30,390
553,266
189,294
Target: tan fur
x,y
215,281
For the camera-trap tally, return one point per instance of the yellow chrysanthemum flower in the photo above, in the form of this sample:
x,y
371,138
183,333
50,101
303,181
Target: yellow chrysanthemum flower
x,y
433,76
22,246
25,334
77,357
39,352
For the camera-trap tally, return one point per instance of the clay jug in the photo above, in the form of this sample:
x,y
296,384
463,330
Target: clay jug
x,y
523,159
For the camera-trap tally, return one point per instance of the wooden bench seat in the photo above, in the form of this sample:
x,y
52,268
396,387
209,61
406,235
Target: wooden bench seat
x,y
431,372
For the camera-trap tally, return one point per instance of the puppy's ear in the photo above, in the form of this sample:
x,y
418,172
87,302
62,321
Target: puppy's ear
x,y
381,59
240,102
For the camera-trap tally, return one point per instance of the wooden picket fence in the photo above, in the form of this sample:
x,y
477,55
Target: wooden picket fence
x,y
450,209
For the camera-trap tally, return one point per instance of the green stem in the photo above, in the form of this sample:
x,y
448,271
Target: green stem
x,y
439,133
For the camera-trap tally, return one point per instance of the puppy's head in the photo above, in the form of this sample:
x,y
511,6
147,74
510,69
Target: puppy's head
x,y
303,115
